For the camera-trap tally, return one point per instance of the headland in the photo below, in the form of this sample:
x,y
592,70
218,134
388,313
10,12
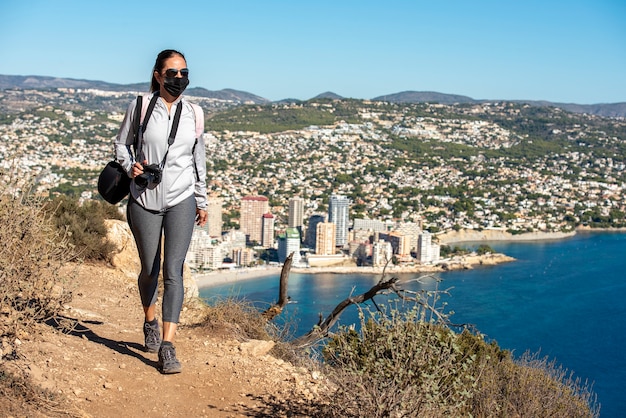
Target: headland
x,y
233,276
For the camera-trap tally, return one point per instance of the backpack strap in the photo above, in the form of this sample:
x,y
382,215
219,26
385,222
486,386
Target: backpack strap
x,y
197,110
144,108
142,122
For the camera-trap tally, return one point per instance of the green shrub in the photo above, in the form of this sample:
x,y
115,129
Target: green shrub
x,y
84,225
484,249
399,365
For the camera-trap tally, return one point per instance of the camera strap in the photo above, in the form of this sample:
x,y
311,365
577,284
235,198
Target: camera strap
x,y
142,116
175,123
172,137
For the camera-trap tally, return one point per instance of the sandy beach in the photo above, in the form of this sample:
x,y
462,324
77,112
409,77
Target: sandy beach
x,y
218,278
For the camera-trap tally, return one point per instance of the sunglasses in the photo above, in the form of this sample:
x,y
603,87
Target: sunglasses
x,y
172,72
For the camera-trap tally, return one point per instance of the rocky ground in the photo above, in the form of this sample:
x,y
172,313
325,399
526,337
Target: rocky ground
x,y
100,369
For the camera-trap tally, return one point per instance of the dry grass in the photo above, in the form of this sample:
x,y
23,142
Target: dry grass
x,y
236,318
532,386
19,398
32,255
401,365
32,289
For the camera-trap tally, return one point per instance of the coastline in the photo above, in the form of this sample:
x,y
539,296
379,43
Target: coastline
x,y
234,276
467,262
469,235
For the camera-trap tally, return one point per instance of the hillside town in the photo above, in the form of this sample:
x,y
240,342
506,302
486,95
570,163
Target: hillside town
x,y
380,184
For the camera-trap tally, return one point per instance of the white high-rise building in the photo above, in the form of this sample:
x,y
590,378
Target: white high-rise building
x,y
427,251
267,231
338,213
296,213
381,253
202,253
424,247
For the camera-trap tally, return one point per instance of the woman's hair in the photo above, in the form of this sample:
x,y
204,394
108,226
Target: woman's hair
x,y
158,66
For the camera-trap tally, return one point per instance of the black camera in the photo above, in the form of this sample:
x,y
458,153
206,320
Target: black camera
x,y
151,175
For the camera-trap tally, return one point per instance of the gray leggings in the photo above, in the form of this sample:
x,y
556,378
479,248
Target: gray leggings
x,y
176,223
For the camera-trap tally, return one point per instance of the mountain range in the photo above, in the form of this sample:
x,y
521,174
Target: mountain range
x,y
45,82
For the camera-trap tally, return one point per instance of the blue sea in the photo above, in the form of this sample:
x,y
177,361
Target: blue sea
x,y
563,299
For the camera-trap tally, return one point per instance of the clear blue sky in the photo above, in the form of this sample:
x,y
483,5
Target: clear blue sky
x,y
562,51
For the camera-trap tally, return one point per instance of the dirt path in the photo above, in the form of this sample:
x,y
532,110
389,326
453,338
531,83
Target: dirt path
x,y
102,369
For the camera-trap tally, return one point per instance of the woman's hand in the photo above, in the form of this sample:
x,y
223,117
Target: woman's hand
x,y
137,169
201,217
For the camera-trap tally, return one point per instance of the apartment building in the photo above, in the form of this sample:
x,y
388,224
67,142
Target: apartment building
x,y
267,230
288,243
338,214
214,212
251,222
325,238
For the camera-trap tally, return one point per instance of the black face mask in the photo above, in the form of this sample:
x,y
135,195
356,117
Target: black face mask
x,y
175,86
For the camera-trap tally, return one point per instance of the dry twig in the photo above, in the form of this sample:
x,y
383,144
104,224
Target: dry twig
x,y
277,309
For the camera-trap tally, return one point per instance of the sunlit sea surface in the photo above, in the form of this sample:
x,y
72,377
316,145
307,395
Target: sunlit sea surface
x,y
562,299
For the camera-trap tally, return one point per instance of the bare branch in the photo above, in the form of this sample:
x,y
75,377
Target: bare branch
x,y
277,309
322,329
419,299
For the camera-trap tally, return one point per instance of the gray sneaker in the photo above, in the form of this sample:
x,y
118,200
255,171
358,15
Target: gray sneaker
x,y
168,363
152,337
